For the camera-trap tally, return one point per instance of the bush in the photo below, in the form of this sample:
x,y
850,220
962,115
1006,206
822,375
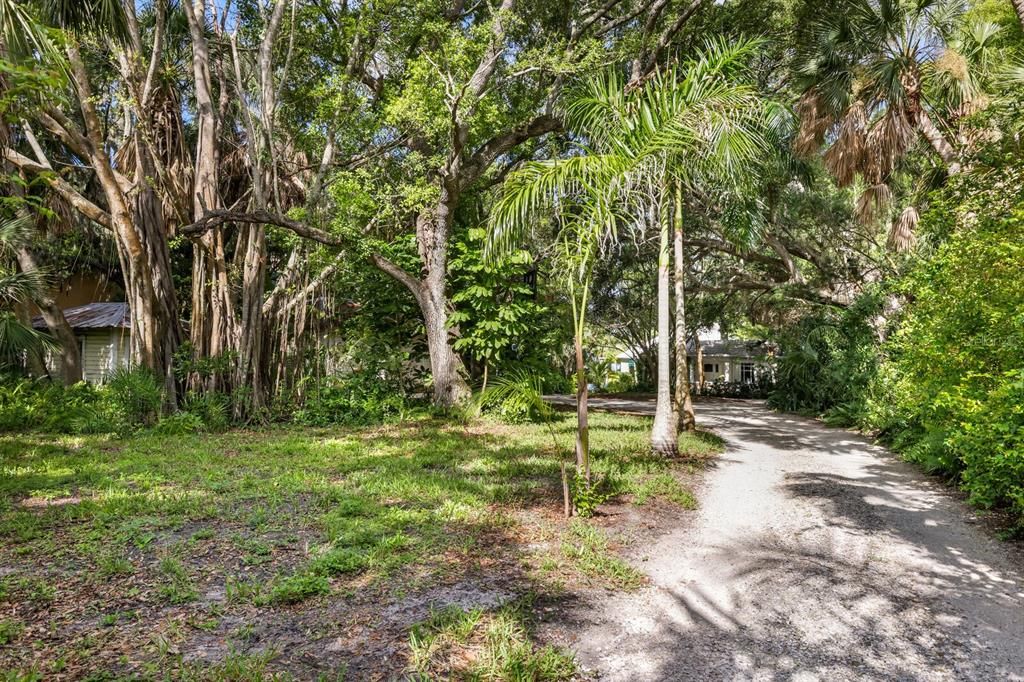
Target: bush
x,y
828,360
136,396
180,423
41,405
361,398
950,392
212,409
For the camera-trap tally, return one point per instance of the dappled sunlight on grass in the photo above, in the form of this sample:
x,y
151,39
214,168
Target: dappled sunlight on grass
x,y
285,516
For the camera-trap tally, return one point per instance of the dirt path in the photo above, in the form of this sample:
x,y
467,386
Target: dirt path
x,y
816,556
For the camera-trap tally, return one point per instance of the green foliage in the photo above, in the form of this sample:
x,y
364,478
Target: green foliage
x,y
41,405
827,360
619,382
950,392
135,395
496,311
180,423
515,398
366,396
587,496
212,409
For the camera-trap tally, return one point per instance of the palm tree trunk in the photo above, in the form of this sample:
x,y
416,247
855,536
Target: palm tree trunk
x,y
1018,6
582,425
938,141
911,81
70,356
683,401
664,434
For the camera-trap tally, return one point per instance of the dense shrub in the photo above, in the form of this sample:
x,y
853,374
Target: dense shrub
x,y
363,397
761,388
212,409
41,405
136,395
951,391
828,360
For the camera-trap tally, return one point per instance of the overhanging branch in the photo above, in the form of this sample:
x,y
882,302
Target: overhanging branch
x,y
217,217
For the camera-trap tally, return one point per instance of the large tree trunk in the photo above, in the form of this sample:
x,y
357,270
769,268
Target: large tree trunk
x,y
142,248
446,368
664,434
70,356
683,401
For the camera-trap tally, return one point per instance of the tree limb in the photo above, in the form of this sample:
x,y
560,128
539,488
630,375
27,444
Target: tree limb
x,y
392,269
61,186
217,217
486,154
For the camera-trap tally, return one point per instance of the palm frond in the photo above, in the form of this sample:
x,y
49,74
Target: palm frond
x,y
903,232
23,33
16,232
16,339
519,392
20,287
101,16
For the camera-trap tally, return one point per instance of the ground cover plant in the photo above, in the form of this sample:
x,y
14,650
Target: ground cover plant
x,y
247,553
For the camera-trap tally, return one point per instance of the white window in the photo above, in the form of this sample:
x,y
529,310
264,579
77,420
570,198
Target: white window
x,y
711,368
747,372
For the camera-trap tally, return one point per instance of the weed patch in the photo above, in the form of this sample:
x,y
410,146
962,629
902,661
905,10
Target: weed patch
x,y
480,645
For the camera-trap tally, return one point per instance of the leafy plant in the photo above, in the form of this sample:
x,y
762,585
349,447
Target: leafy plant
x,y
516,397
136,396
363,397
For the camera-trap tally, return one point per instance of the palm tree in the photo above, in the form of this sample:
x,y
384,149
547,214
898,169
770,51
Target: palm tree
x,y
23,25
691,123
17,288
874,73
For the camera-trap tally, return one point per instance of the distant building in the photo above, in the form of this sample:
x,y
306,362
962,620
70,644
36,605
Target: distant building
x,y
103,331
729,360
715,359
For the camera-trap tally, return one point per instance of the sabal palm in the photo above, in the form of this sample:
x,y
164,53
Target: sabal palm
x,y
874,74
23,24
690,123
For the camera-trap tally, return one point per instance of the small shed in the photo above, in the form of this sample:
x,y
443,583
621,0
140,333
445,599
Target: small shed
x,y
104,332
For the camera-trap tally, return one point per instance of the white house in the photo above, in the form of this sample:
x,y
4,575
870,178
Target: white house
x,y
730,360
715,359
103,331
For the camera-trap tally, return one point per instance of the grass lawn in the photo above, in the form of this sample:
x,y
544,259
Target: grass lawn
x,y
416,548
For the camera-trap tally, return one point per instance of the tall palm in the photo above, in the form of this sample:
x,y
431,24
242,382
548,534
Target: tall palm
x,y
874,74
696,121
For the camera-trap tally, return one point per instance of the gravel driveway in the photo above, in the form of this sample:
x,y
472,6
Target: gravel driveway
x,y
816,556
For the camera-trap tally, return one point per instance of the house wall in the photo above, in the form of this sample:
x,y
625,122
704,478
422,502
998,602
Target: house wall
x,y
103,351
729,368
79,289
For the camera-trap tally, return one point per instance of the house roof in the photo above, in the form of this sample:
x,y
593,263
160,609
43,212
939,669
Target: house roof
x,y
93,316
735,348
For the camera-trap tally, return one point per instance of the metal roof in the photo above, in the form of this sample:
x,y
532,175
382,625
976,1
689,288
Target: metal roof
x,y
93,316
